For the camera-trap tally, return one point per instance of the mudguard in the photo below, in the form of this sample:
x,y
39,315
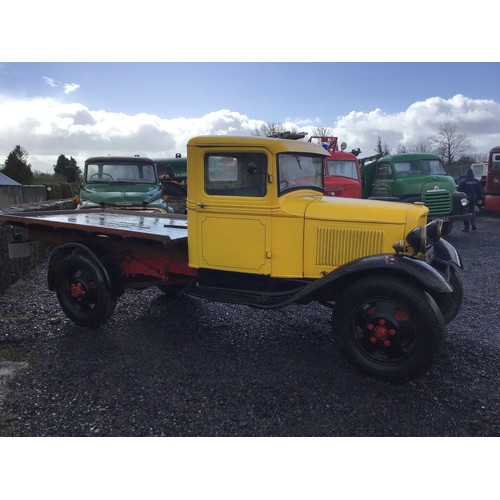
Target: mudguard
x,y
415,270
64,250
446,252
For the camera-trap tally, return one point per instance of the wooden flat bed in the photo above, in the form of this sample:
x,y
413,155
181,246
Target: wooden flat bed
x,y
117,223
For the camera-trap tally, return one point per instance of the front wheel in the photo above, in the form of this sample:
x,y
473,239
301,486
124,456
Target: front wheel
x,y
82,291
388,328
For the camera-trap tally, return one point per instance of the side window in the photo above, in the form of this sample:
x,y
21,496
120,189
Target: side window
x,y
495,162
236,174
384,172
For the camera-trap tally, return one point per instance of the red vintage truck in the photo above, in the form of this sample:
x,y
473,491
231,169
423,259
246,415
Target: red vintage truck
x,y
492,187
260,232
342,169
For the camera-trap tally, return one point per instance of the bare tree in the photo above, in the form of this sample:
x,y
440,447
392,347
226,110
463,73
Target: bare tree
x,y
419,146
269,128
450,144
322,131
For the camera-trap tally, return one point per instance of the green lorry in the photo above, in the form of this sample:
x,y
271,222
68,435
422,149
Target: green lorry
x,y
416,177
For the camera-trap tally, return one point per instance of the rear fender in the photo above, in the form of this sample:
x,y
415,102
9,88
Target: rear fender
x,y
68,248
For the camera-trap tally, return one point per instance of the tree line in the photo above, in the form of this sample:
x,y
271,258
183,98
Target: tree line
x,y
450,144
19,169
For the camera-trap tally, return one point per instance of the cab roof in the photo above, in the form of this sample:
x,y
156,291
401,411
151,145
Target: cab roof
x,y
116,159
274,145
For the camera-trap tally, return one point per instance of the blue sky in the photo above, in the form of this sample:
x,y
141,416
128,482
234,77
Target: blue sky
x,y
81,109
272,92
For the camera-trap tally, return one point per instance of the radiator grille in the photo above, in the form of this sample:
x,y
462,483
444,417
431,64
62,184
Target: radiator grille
x,y
336,245
438,202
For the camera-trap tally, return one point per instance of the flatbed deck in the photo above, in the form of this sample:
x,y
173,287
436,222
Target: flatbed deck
x,y
119,223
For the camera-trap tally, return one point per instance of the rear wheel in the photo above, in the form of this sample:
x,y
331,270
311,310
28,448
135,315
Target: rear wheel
x,y
388,328
82,291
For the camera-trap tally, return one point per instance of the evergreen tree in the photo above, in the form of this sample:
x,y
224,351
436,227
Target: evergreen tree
x,y
67,168
17,166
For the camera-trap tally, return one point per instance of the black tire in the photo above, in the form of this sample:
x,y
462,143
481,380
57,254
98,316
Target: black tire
x,y
447,227
82,291
388,328
450,303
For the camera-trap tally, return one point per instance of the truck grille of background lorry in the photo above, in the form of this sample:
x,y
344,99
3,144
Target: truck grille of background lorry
x,y
438,202
337,246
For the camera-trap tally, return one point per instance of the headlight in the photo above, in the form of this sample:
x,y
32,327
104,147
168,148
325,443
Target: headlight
x,y
416,239
464,202
434,229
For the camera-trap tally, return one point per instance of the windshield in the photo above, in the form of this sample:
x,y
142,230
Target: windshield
x,y
121,172
299,171
342,168
420,167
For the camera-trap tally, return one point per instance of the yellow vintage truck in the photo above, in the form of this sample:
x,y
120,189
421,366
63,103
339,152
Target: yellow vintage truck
x,y
260,233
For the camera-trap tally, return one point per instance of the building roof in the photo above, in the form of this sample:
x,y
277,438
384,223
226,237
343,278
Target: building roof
x,y
7,181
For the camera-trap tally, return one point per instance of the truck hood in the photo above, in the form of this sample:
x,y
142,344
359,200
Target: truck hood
x,y
438,183
357,210
128,193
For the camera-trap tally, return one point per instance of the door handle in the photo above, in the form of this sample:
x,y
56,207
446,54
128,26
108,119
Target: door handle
x,y
201,205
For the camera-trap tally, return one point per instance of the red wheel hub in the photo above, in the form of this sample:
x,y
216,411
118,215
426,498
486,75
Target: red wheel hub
x,y
77,291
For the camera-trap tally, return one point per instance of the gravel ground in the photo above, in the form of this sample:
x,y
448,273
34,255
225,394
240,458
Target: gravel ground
x,y
188,367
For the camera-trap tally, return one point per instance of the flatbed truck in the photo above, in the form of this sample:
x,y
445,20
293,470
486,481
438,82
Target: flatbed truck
x,y
260,232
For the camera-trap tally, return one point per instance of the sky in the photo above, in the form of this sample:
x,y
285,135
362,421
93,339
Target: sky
x,y
81,109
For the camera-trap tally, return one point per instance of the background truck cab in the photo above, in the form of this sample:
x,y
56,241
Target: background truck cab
x,y
492,188
416,177
341,168
129,182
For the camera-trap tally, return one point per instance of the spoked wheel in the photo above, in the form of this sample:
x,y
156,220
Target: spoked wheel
x,y
388,328
82,291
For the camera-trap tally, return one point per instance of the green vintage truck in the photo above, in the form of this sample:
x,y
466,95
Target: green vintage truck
x,y
416,177
122,182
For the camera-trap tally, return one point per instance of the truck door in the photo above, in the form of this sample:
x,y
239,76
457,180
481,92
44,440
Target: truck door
x,y
233,216
383,184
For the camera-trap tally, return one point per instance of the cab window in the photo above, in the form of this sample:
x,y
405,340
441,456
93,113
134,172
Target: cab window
x,y
384,172
236,174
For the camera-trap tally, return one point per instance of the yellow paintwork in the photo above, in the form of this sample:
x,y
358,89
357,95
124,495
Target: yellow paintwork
x,y
299,234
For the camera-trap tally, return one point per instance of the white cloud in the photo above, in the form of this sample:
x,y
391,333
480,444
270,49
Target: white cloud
x,y
47,128
67,87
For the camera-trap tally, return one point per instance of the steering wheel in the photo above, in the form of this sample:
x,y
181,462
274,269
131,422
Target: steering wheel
x,y
104,173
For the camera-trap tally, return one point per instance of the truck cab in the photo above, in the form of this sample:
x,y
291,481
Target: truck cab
x,y
122,182
256,205
492,187
341,168
416,177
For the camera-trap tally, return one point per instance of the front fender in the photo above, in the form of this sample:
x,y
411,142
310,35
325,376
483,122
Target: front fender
x,y
446,252
331,285
417,270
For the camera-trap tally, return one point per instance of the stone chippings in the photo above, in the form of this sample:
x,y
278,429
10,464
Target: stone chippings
x,y
188,367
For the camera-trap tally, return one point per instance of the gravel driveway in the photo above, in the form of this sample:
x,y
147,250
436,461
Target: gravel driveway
x,y
188,367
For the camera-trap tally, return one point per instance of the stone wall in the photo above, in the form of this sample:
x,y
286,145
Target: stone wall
x,y
11,270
